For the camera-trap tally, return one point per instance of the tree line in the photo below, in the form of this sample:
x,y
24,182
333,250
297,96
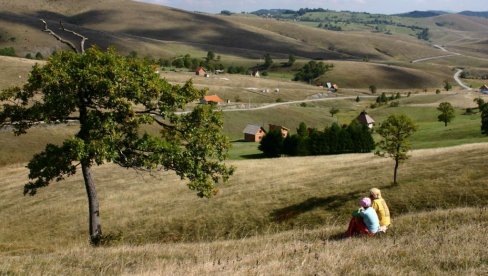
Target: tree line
x,y
334,139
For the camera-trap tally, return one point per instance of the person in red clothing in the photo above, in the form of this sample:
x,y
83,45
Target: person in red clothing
x,y
364,221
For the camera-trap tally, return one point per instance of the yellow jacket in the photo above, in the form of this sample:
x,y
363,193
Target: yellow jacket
x,y
379,205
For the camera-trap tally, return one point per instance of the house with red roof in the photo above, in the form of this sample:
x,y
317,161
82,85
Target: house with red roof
x,y
200,71
211,99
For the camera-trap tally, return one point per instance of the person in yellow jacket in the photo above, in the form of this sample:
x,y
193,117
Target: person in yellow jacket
x,y
381,208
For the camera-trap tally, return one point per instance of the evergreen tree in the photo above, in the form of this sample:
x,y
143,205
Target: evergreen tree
x,y
272,144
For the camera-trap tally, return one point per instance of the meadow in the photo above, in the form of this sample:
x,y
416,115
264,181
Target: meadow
x,y
282,216
259,223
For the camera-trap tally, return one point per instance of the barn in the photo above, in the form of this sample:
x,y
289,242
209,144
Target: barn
x,y
253,133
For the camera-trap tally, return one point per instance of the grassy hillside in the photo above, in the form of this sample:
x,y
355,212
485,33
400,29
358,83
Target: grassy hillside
x,y
294,218
14,71
118,24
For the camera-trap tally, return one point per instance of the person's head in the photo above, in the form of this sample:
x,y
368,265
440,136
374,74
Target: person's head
x,y
374,193
365,202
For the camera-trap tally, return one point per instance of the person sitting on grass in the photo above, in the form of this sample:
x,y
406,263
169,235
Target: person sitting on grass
x,y
379,205
364,221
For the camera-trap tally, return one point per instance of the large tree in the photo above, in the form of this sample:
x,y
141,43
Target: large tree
x,y
447,113
115,100
395,131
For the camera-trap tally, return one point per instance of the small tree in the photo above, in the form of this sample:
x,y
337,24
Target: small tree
x,y
358,99
447,113
291,60
268,61
447,85
113,98
333,111
372,89
210,56
395,131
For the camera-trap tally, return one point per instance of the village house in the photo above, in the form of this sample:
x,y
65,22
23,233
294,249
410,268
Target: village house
x,y
211,99
200,71
484,89
253,133
284,131
365,119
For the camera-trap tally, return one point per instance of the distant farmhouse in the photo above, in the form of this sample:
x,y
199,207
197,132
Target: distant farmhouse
x,y
365,119
284,131
200,71
211,99
484,89
253,133
332,86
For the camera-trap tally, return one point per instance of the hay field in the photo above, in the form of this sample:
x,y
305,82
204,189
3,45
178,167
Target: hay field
x,y
278,216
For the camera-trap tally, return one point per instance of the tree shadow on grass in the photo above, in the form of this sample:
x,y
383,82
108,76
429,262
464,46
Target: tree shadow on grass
x,y
253,156
331,202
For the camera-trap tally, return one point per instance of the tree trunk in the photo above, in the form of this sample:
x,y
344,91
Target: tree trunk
x,y
93,207
395,172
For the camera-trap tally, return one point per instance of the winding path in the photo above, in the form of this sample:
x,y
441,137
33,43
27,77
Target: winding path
x,y
458,72
458,80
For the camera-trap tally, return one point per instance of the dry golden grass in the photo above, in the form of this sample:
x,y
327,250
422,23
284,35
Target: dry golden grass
x,y
14,71
275,216
438,242
363,74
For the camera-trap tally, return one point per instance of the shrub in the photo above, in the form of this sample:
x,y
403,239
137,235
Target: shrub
x,y
394,104
437,91
8,51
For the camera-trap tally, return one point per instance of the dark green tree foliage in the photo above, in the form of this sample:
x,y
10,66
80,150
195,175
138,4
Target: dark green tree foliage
x,y
268,61
291,60
39,55
101,90
382,99
272,144
447,85
484,119
210,56
8,51
312,70
333,140
447,113
424,34
372,88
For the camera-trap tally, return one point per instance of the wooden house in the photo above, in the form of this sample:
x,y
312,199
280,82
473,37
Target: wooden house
x,y
200,71
365,119
253,133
